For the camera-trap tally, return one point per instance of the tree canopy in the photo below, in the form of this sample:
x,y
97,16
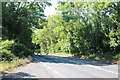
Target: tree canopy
x,y
82,28
78,28
20,18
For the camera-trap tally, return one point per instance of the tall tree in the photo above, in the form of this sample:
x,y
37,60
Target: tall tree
x,y
83,28
19,19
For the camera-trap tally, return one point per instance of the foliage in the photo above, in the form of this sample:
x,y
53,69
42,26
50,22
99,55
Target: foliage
x,y
78,28
21,50
7,55
18,19
14,63
11,50
7,44
82,29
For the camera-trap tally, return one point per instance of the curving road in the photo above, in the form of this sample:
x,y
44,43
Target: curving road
x,y
50,66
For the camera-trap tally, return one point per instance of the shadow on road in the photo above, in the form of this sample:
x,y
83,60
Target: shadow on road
x,y
18,75
69,60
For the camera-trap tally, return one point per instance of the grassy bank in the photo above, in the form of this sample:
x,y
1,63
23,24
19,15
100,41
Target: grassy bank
x,y
6,66
14,54
58,54
105,58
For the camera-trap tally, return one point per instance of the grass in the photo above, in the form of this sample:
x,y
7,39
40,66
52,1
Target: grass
x,y
59,54
106,58
6,66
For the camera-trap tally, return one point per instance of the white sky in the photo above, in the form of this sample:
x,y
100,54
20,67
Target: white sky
x,y
50,10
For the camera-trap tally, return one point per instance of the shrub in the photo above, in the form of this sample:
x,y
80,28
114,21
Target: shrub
x,y
21,50
11,48
7,55
7,44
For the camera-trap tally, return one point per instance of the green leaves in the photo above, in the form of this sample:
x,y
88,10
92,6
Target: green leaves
x,y
19,18
87,28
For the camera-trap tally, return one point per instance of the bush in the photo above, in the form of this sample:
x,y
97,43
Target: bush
x,y
21,50
7,44
12,49
7,55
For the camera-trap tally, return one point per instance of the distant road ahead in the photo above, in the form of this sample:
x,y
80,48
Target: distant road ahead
x,y
50,66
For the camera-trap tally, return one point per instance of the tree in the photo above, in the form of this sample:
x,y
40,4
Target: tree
x,y
89,28
19,19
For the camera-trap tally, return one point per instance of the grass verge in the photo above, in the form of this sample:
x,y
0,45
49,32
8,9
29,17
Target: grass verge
x,y
104,58
59,54
6,66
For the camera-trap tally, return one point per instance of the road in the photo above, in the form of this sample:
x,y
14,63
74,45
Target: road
x,y
50,66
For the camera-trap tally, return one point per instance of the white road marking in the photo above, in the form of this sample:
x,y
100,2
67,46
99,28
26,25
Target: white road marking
x,y
44,64
97,67
56,72
48,67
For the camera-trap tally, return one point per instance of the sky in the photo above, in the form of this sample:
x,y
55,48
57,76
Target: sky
x,y
50,10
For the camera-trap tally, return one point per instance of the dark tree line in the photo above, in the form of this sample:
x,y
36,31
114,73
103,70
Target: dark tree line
x,y
18,22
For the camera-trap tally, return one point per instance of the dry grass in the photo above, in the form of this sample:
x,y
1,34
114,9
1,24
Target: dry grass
x,y
60,54
5,66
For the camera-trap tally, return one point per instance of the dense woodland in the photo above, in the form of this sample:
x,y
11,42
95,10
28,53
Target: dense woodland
x,y
83,29
18,21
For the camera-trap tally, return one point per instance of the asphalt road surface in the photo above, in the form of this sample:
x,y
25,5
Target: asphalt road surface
x,y
50,66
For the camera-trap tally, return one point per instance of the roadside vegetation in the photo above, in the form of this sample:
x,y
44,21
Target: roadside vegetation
x,y
18,21
78,29
13,55
7,66
59,54
84,30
